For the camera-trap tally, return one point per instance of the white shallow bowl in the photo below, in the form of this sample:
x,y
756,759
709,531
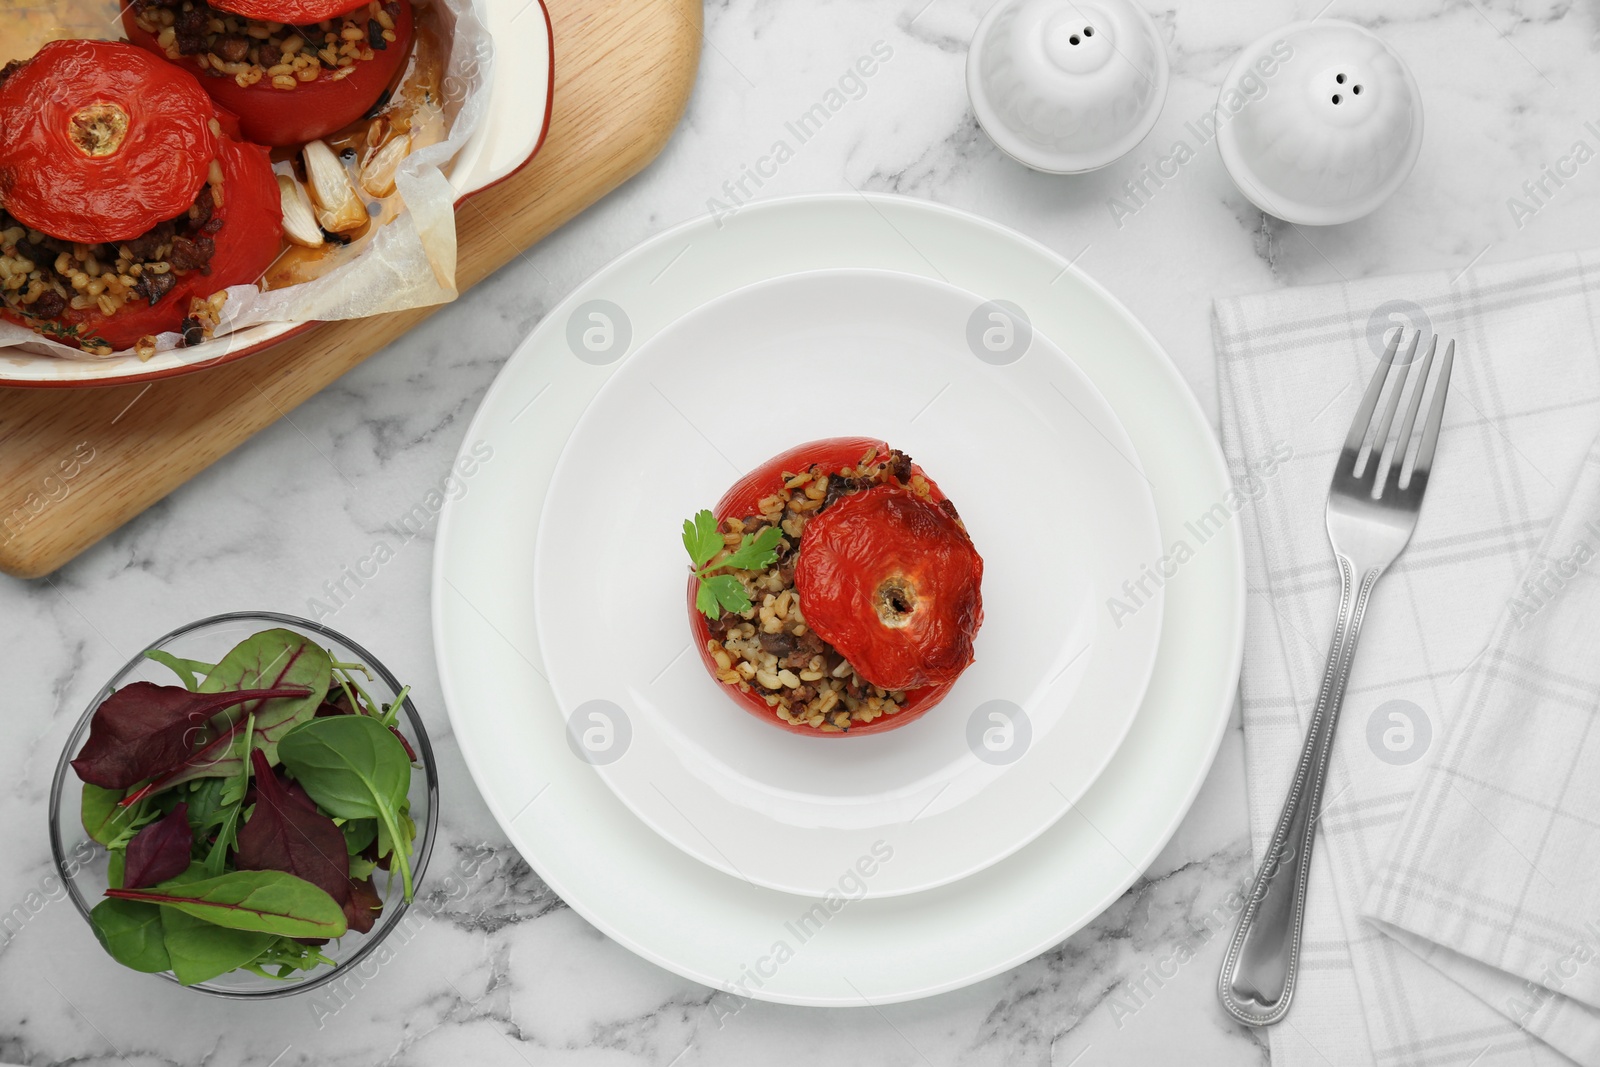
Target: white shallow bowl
x,y
1067,87
513,129
1047,483
651,896
1319,122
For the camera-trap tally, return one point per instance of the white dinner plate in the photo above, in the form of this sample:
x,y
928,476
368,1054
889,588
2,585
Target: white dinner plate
x,y
651,896
1046,482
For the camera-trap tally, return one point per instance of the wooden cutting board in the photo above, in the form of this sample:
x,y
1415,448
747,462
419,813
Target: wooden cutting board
x,y
76,464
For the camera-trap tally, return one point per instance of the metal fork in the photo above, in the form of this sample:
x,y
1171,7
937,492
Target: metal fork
x,y
1372,510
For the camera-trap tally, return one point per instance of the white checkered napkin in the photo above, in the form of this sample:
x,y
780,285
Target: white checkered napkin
x,y
1524,406
1494,874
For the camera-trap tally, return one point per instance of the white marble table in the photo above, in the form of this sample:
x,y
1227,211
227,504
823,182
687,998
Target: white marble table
x,y
507,974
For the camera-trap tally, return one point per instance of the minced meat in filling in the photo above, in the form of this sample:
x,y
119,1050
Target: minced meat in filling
x,y
42,277
769,649
248,51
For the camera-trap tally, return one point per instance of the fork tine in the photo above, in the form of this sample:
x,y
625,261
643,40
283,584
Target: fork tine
x,y
1363,420
1402,440
1376,468
1430,431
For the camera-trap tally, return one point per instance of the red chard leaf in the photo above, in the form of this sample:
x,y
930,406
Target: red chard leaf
x,y
361,910
411,753
287,833
271,658
159,851
144,730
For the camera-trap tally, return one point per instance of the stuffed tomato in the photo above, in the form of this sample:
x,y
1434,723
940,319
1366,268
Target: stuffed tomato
x,y
292,70
127,200
835,589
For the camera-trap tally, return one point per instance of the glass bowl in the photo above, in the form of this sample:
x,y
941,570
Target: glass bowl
x,y
82,863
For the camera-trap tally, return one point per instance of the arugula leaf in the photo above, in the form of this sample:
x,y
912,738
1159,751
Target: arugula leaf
x,y
187,670
232,802
288,955
701,537
130,931
269,902
724,592
354,767
206,805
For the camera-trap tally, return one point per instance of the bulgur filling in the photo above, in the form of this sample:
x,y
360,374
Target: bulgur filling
x,y
41,277
768,649
250,51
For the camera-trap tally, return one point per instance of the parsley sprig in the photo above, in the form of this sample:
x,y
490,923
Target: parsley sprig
x,y
723,592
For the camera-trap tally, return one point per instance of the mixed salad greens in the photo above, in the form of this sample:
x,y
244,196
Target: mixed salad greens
x,y
246,811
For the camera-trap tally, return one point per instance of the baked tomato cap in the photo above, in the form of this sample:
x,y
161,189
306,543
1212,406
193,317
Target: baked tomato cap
x,y
293,12
893,583
102,141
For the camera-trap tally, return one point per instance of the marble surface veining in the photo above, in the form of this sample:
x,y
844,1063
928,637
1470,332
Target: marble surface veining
x,y
503,972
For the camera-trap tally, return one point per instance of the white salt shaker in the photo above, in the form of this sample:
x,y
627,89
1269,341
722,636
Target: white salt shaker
x,y
1066,87
1319,122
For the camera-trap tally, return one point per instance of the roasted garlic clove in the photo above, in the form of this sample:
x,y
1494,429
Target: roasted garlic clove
x,y
377,173
299,221
339,209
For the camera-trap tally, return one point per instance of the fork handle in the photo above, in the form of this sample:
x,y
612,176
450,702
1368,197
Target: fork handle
x,y
1258,974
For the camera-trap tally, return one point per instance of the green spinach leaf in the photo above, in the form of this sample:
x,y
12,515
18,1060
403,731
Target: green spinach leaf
x,y
106,821
131,932
354,767
358,834
200,951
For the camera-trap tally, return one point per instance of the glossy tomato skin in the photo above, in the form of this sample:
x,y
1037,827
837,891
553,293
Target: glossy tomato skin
x,y
146,164
311,110
246,244
293,12
893,583
830,454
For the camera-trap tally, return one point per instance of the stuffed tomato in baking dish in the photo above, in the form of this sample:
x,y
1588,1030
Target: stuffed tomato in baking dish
x,y
128,200
255,145
835,590
292,70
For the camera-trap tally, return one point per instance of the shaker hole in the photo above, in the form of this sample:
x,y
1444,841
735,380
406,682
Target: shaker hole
x,y
1356,90
1335,98
1339,78
1088,31
1073,39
